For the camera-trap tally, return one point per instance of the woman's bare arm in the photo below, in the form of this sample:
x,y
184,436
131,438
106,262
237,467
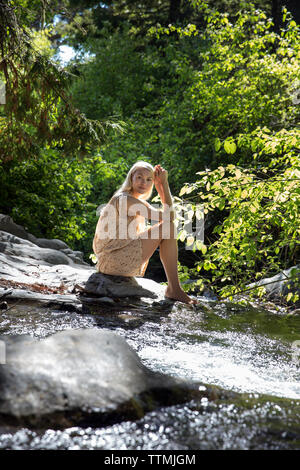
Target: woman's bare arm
x,y
163,189
143,208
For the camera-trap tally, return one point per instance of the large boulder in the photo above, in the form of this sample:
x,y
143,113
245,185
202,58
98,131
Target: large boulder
x,y
38,269
74,376
26,250
59,253
8,225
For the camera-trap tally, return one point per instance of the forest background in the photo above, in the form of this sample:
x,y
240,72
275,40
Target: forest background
x,y
208,89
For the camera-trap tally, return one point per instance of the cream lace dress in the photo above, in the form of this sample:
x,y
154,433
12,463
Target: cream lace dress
x,y
116,242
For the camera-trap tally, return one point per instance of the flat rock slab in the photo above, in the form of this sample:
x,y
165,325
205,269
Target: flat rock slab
x,y
75,374
82,289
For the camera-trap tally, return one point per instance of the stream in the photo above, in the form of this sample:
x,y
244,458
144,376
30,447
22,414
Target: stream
x,y
243,348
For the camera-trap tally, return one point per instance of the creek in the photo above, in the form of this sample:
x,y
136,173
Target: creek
x,y
244,348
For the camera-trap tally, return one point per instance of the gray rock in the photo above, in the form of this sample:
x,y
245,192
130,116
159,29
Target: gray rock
x,y
76,373
280,284
54,244
103,285
7,225
33,296
19,248
106,300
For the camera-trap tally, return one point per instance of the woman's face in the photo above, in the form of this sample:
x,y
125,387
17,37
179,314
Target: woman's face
x,y
142,181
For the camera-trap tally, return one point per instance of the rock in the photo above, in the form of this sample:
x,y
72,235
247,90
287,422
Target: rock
x,y
33,296
76,375
54,244
280,284
59,250
103,285
8,225
106,300
19,248
295,312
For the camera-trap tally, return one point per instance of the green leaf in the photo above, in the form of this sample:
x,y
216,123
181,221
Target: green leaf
x,y
229,146
189,241
204,249
217,144
206,265
182,235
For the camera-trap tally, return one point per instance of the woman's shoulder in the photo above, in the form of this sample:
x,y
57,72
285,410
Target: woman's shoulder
x,y
118,198
124,195
115,198
120,194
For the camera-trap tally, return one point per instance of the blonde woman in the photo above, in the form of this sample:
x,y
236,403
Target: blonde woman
x,y
122,243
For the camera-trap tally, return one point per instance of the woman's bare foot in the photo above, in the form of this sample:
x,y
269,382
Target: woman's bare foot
x,y
180,295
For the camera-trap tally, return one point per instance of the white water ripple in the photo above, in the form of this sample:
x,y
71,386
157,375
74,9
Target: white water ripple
x,y
239,366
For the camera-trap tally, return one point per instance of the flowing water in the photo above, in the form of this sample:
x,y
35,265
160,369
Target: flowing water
x,y
246,349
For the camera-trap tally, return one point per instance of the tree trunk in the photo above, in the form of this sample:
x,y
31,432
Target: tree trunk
x,y
276,14
174,11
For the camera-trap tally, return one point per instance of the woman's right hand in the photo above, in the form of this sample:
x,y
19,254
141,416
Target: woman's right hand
x,y
160,176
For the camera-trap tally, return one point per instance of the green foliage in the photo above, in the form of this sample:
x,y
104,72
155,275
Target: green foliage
x,y
38,109
114,79
44,183
55,197
85,18
258,210
212,97
244,78
49,195
141,84
195,94
248,86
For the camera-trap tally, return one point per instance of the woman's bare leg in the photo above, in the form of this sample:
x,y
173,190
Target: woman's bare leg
x,y
151,240
169,258
168,255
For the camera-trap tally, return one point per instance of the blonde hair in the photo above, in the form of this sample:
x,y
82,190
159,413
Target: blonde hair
x,y
127,185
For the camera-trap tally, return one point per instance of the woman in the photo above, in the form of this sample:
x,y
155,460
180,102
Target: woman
x,y
123,244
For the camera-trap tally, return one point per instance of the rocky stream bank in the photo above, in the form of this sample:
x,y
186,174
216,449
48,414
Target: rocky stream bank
x,y
78,349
